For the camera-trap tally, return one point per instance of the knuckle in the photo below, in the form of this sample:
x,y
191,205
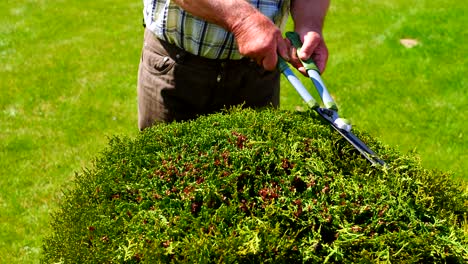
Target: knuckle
x,y
314,35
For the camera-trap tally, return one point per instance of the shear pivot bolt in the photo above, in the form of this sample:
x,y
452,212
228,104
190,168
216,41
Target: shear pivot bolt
x,y
342,124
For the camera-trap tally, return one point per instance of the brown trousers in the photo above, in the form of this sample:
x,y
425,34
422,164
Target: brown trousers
x,y
174,85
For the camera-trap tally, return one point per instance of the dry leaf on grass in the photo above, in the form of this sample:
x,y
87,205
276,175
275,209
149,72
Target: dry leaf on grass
x,y
409,43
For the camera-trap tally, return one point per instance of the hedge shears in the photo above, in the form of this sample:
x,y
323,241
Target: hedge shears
x,y
330,110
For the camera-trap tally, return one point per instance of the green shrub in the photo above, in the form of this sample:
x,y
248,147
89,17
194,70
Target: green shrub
x,y
249,186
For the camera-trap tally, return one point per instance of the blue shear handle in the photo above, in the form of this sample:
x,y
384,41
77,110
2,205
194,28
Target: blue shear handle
x,y
297,43
296,83
314,73
322,90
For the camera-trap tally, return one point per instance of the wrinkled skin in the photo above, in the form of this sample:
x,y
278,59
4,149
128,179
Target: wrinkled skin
x,y
258,38
261,40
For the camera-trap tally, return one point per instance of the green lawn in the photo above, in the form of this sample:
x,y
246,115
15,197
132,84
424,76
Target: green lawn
x,y
68,82
411,98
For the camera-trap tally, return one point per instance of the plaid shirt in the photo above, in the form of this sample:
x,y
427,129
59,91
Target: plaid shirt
x,y
173,24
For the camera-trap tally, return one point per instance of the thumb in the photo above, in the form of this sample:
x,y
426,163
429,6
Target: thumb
x,y
283,48
269,62
310,43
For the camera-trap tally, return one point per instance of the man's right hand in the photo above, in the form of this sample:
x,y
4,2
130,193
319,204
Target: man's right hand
x,y
257,36
261,40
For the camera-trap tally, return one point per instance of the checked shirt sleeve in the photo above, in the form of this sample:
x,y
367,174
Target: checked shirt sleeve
x,y
173,24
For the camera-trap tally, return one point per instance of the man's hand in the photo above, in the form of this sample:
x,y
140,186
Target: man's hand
x,y
258,38
313,47
308,19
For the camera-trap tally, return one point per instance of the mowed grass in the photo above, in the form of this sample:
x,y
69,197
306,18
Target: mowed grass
x,y
68,77
68,82
414,99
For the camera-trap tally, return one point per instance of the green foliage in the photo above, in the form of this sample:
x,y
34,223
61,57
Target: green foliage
x,y
249,186
68,80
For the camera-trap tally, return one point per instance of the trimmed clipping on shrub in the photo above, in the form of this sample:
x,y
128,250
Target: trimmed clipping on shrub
x,y
246,186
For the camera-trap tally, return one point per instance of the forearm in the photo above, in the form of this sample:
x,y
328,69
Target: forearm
x,y
256,35
309,15
225,13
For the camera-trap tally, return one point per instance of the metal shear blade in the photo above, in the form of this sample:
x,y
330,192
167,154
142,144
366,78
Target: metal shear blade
x,y
330,112
351,138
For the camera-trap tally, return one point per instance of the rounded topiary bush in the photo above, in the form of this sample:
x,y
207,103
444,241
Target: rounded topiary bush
x,y
249,186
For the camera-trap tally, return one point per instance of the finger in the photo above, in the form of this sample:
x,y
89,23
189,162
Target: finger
x,y
292,53
320,57
269,62
319,61
296,62
293,58
283,48
303,70
310,43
